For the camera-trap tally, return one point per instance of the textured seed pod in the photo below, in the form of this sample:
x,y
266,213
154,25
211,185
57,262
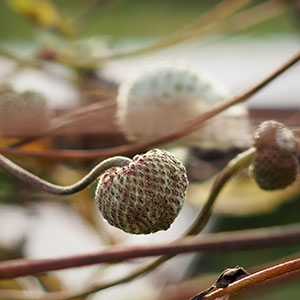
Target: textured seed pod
x,y
146,196
163,98
275,164
22,115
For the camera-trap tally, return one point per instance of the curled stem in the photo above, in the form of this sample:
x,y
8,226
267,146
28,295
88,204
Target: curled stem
x,y
26,176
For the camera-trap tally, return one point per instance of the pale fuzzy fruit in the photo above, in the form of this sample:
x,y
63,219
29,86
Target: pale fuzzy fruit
x,y
165,97
275,164
146,196
22,115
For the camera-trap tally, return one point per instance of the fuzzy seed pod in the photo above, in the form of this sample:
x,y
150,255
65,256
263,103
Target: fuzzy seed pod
x,y
165,97
273,134
275,164
146,196
22,115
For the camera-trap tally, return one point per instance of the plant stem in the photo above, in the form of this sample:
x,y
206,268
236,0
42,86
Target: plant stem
x,y
215,242
24,175
240,162
256,278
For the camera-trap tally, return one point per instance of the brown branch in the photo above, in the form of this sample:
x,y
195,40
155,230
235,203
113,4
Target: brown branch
x,y
191,126
256,278
236,240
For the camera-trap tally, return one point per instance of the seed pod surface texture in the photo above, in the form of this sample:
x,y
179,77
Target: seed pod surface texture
x,y
275,164
146,196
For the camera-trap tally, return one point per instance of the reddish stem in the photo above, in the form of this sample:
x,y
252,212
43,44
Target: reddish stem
x,y
256,278
254,238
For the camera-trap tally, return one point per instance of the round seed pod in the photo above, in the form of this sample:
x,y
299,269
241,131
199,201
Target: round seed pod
x,y
275,164
165,97
144,197
22,115
273,134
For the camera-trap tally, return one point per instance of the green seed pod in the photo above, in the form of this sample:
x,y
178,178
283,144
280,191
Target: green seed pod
x,y
275,164
144,197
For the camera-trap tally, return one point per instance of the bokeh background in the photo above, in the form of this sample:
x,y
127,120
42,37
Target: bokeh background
x,y
74,38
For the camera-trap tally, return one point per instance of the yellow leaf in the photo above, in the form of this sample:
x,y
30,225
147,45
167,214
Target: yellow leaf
x,y
41,12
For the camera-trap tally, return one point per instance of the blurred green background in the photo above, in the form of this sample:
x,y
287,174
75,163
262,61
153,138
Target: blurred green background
x,y
133,18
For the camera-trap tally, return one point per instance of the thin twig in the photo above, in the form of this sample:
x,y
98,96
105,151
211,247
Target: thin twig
x,y
252,16
190,127
203,24
24,175
214,24
256,278
63,121
216,21
216,242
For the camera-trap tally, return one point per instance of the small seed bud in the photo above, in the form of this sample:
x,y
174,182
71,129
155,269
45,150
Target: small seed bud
x,y
275,164
146,196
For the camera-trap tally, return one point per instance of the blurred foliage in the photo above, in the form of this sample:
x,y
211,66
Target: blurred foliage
x,y
254,200
42,13
289,290
286,213
114,18
7,187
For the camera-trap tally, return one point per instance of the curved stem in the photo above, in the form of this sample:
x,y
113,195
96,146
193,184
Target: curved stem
x,y
26,176
240,162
